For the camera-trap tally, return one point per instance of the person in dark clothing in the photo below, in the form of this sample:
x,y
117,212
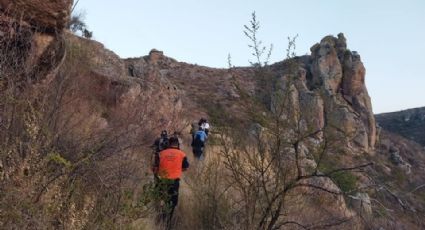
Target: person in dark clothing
x,y
160,144
169,167
198,143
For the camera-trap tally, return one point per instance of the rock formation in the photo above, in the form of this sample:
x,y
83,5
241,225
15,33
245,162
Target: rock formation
x,y
44,16
31,35
341,74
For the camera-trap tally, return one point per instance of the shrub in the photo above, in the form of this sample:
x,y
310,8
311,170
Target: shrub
x,y
346,181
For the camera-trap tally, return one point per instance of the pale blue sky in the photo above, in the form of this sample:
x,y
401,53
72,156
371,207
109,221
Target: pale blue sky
x,y
388,34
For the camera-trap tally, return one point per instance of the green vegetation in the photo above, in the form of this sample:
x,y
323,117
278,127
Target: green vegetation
x,y
58,159
345,180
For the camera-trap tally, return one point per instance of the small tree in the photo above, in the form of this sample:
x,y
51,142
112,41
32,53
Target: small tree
x,y
263,75
258,49
77,25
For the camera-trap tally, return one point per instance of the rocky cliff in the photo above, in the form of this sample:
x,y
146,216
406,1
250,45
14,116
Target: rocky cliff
x,y
77,123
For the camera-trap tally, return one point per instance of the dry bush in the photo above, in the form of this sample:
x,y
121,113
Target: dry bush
x,y
205,199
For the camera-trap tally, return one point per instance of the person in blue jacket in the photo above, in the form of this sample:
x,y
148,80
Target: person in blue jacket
x,y
198,143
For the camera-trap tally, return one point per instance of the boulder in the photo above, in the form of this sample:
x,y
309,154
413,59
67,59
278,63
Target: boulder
x,y
155,56
398,160
362,204
395,157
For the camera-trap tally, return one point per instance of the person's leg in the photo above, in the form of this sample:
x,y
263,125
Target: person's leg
x,y
173,193
162,188
201,154
195,152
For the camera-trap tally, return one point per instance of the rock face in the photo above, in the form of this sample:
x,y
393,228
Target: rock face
x,y
362,203
347,78
326,68
31,36
330,92
46,16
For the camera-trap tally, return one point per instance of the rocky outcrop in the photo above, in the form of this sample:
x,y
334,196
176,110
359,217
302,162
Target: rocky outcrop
x,y
31,37
44,16
326,68
330,92
397,160
340,73
361,202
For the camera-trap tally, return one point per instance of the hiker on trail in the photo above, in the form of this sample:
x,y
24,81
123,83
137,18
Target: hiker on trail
x,y
177,135
204,124
169,167
198,143
160,144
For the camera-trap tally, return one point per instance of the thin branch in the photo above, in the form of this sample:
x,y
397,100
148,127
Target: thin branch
x,y
417,188
75,5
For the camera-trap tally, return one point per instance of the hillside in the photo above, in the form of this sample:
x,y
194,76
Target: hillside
x,y
407,123
294,145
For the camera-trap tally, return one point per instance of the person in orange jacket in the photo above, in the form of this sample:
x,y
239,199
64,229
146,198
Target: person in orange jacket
x,y
169,167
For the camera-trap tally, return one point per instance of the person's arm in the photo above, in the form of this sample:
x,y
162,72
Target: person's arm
x,y
185,164
155,166
155,144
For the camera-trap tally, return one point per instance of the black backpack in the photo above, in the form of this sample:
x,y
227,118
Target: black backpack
x,y
163,143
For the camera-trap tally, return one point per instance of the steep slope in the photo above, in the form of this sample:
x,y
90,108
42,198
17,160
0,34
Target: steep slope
x,y
78,121
407,123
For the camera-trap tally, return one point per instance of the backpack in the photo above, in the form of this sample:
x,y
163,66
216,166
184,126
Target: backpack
x,y
163,143
197,141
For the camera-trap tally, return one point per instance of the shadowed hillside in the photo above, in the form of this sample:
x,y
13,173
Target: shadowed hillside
x,y
407,123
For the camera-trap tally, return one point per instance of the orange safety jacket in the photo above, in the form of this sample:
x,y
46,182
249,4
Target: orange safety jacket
x,y
172,161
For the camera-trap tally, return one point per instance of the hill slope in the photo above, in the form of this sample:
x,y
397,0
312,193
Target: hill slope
x,y
407,123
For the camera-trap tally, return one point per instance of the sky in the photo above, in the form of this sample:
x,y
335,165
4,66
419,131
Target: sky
x,y
388,34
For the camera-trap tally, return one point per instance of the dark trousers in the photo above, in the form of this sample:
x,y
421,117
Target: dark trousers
x,y
198,152
169,191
